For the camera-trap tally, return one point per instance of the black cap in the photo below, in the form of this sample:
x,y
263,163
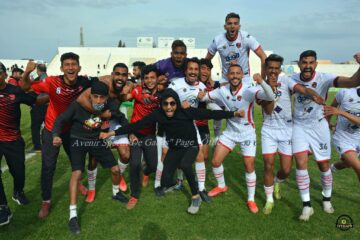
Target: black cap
x,y
100,88
2,67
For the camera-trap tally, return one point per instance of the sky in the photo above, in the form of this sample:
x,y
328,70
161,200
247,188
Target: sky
x,y
36,28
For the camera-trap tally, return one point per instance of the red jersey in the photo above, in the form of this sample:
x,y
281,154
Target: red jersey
x,y
60,95
14,82
10,99
142,109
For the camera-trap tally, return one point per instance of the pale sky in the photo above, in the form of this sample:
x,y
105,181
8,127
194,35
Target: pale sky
x,y
35,28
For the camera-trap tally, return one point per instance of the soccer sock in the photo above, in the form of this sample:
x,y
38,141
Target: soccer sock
x,y
115,189
219,175
92,178
73,212
251,185
180,175
303,182
326,182
333,168
122,167
269,193
201,174
159,169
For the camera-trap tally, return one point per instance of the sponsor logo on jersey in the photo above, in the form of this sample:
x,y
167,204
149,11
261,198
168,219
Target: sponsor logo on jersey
x,y
314,84
232,56
58,90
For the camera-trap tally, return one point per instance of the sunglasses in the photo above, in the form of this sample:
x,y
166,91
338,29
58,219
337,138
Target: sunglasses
x,y
172,103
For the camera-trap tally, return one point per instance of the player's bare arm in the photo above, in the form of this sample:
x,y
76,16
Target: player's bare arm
x,y
349,82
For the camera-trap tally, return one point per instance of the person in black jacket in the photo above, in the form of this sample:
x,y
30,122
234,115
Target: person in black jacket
x,y
181,137
84,138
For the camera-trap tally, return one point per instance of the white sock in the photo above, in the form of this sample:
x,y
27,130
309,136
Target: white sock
x,y
303,182
159,169
122,167
269,193
201,174
251,185
92,178
333,168
219,175
326,182
278,180
73,212
180,175
115,189
159,144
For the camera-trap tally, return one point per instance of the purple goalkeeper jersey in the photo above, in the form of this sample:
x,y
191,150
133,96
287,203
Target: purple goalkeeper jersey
x,y
167,68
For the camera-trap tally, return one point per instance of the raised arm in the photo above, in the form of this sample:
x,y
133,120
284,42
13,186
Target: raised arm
x,y
349,82
266,93
261,54
26,82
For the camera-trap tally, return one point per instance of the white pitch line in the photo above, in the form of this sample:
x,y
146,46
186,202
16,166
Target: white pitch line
x,y
27,157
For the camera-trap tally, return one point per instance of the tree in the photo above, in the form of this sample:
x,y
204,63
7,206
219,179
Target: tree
x,y
121,44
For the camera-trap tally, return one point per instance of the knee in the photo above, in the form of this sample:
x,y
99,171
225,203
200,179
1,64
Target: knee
x,y
268,167
216,163
115,170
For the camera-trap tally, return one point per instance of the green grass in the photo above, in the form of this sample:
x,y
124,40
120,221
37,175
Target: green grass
x,y
165,218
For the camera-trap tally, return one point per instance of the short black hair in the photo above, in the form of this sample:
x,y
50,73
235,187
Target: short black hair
x,y
206,62
194,60
139,64
275,58
17,69
147,69
69,55
120,65
178,43
232,15
41,68
235,65
308,53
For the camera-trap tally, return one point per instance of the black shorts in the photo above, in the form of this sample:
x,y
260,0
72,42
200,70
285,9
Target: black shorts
x,y
96,148
204,134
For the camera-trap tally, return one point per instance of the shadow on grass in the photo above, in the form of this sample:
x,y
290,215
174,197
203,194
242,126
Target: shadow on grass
x,y
152,231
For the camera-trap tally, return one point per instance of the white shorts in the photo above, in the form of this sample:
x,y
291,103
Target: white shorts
x,y
275,140
345,142
247,143
120,140
314,139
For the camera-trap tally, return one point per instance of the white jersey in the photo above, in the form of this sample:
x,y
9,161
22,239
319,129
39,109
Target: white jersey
x,y
188,92
237,50
281,115
306,111
234,102
349,101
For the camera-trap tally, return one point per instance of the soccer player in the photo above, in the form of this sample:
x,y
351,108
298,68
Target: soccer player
x,y
143,142
346,106
188,89
276,132
181,135
12,145
234,46
84,138
235,96
62,91
16,75
118,86
136,71
173,67
205,78
311,130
